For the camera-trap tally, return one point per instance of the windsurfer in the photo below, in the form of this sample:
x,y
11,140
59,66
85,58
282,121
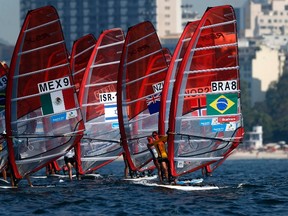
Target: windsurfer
x,y
50,169
206,171
29,181
70,162
126,168
154,154
4,174
162,154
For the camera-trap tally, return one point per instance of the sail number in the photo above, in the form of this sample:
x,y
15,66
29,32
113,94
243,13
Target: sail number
x,y
157,87
224,86
107,97
54,85
197,92
3,82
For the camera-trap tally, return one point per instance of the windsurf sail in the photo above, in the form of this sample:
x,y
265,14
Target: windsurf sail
x,y
97,97
43,117
205,120
3,145
174,64
80,55
142,71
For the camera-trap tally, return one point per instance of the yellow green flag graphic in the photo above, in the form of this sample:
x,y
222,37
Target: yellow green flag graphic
x,y
222,104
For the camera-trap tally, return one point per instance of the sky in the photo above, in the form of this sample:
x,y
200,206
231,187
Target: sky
x,y
10,15
9,20
201,5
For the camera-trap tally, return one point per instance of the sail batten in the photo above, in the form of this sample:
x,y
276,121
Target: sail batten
x,y
84,51
213,47
105,64
41,26
94,159
40,48
213,69
197,158
40,71
143,57
111,45
100,83
219,24
140,39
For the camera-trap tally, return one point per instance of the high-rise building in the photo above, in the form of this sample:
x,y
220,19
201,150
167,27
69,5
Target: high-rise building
x,y
264,19
80,17
168,17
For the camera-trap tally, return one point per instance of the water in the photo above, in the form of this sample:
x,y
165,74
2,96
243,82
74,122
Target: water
x,y
247,187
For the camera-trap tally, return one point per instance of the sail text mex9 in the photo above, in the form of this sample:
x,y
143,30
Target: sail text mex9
x,y
205,120
43,118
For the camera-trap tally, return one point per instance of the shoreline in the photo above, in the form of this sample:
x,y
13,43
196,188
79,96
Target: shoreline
x,y
240,155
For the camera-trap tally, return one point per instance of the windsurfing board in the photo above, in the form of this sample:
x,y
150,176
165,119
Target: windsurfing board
x,y
184,187
5,184
91,176
189,187
189,182
141,178
6,187
52,176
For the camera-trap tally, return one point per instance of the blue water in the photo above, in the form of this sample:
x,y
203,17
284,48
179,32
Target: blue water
x,y
247,187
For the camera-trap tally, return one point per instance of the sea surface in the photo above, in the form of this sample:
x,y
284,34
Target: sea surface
x,y
246,187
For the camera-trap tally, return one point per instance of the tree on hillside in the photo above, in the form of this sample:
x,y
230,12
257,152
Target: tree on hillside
x,y
277,107
256,115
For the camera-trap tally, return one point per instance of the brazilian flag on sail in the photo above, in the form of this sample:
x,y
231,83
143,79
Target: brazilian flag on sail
x,y
222,104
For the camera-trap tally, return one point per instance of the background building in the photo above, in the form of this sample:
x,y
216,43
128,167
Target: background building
x,y
168,17
80,17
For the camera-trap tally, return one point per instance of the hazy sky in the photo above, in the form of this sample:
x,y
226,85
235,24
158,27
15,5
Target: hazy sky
x,y
9,20
201,5
10,15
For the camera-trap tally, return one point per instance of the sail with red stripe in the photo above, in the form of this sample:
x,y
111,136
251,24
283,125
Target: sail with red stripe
x,y
174,64
142,72
81,51
205,120
80,55
97,97
43,117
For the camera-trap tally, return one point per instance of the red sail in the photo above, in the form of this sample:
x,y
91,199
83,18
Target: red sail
x,y
97,97
142,72
171,74
40,127
205,121
80,55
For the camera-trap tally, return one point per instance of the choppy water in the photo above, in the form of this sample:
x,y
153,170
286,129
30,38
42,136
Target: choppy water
x,y
247,187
